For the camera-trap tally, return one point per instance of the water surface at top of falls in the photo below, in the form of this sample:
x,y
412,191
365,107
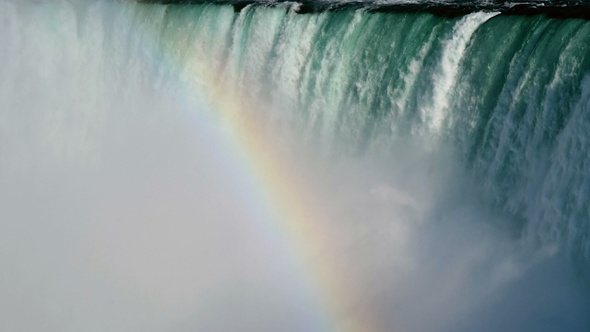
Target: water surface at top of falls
x,y
449,8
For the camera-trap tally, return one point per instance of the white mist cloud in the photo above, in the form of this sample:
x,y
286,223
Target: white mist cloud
x,y
121,208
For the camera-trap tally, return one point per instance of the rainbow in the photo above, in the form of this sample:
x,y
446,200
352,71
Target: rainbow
x,y
295,216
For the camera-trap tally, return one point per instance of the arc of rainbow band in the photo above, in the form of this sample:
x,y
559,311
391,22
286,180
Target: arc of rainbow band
x,y
299,219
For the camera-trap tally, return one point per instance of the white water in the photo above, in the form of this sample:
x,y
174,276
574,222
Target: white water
x,y
445,77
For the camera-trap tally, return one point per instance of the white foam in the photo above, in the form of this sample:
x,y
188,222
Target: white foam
x,y
445,77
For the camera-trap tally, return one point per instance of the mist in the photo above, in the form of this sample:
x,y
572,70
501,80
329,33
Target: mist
x,y
124,207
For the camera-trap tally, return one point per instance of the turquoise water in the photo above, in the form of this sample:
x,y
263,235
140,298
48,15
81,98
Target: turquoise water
x,y
508,93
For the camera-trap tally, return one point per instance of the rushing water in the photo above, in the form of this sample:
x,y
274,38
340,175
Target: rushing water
x,y
447,156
